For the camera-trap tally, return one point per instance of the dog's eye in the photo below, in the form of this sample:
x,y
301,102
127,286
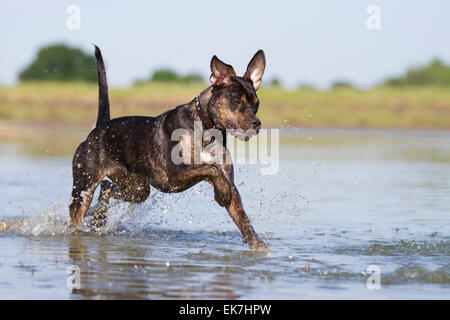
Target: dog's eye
x,y
237,102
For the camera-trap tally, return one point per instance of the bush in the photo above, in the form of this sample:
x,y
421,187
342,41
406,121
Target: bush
x,y
193,78
275,82
60,63
165,75
435,74
168,75
306,86
341,84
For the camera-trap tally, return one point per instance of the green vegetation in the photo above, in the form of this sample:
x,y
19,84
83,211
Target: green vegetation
x,y
52,118
275,82
169,75
60,63
436,73
339,84
382,107
306,86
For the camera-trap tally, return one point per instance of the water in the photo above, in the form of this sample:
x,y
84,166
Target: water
x,y
343,200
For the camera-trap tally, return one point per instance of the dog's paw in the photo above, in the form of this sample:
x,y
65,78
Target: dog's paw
x,y
97,216
73,229
98,221
256,244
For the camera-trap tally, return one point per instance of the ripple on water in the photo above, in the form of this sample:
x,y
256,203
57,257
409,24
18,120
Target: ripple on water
x,y
433,247
406,274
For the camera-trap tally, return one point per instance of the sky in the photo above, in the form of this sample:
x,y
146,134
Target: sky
x,y
306,42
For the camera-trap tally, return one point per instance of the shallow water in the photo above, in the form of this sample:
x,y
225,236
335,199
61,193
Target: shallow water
x,y
342,200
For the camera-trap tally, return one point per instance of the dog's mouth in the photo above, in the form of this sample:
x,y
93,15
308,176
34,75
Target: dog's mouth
x,y
240,133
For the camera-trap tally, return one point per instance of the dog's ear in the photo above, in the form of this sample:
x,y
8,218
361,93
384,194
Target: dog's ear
x,y
255,69
220,72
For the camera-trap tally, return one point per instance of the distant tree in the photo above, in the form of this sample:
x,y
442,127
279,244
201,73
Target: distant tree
x,y
193,78
60,63
169,75
306,86
436,73
341,84
275,82
165,75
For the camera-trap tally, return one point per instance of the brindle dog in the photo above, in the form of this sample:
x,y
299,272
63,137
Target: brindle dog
x,y
135,152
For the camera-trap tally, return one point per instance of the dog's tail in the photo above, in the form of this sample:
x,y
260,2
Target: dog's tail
x,y
103,100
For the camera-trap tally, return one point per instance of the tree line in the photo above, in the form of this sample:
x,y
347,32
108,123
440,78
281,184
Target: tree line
x,y
60,62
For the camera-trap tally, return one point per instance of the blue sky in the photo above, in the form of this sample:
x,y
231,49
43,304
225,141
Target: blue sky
x,y
314,42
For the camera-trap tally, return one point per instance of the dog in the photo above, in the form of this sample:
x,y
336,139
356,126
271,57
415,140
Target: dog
x,y
134,152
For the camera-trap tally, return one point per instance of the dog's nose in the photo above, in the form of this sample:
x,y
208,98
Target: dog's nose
x,y
256,124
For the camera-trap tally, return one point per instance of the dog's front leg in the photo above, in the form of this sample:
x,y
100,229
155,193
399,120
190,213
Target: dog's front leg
x,y
225,193
184,176
236,211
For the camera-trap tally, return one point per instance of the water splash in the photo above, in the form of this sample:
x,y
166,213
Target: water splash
x,y
194,209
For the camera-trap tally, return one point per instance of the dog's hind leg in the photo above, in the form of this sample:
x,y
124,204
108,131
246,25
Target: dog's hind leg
x,y
126,186
129,187
99,210
87,174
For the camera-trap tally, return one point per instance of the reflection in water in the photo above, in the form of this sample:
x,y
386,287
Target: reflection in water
x,y
113,269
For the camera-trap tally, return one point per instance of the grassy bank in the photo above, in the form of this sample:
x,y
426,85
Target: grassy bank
x,y
76,103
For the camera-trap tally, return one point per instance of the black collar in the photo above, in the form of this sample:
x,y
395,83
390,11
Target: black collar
x,y
205,120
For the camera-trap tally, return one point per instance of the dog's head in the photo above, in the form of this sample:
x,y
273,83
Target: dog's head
x,y
234,100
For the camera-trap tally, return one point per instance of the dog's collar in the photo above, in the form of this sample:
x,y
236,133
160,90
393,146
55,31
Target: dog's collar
x,y
205,120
